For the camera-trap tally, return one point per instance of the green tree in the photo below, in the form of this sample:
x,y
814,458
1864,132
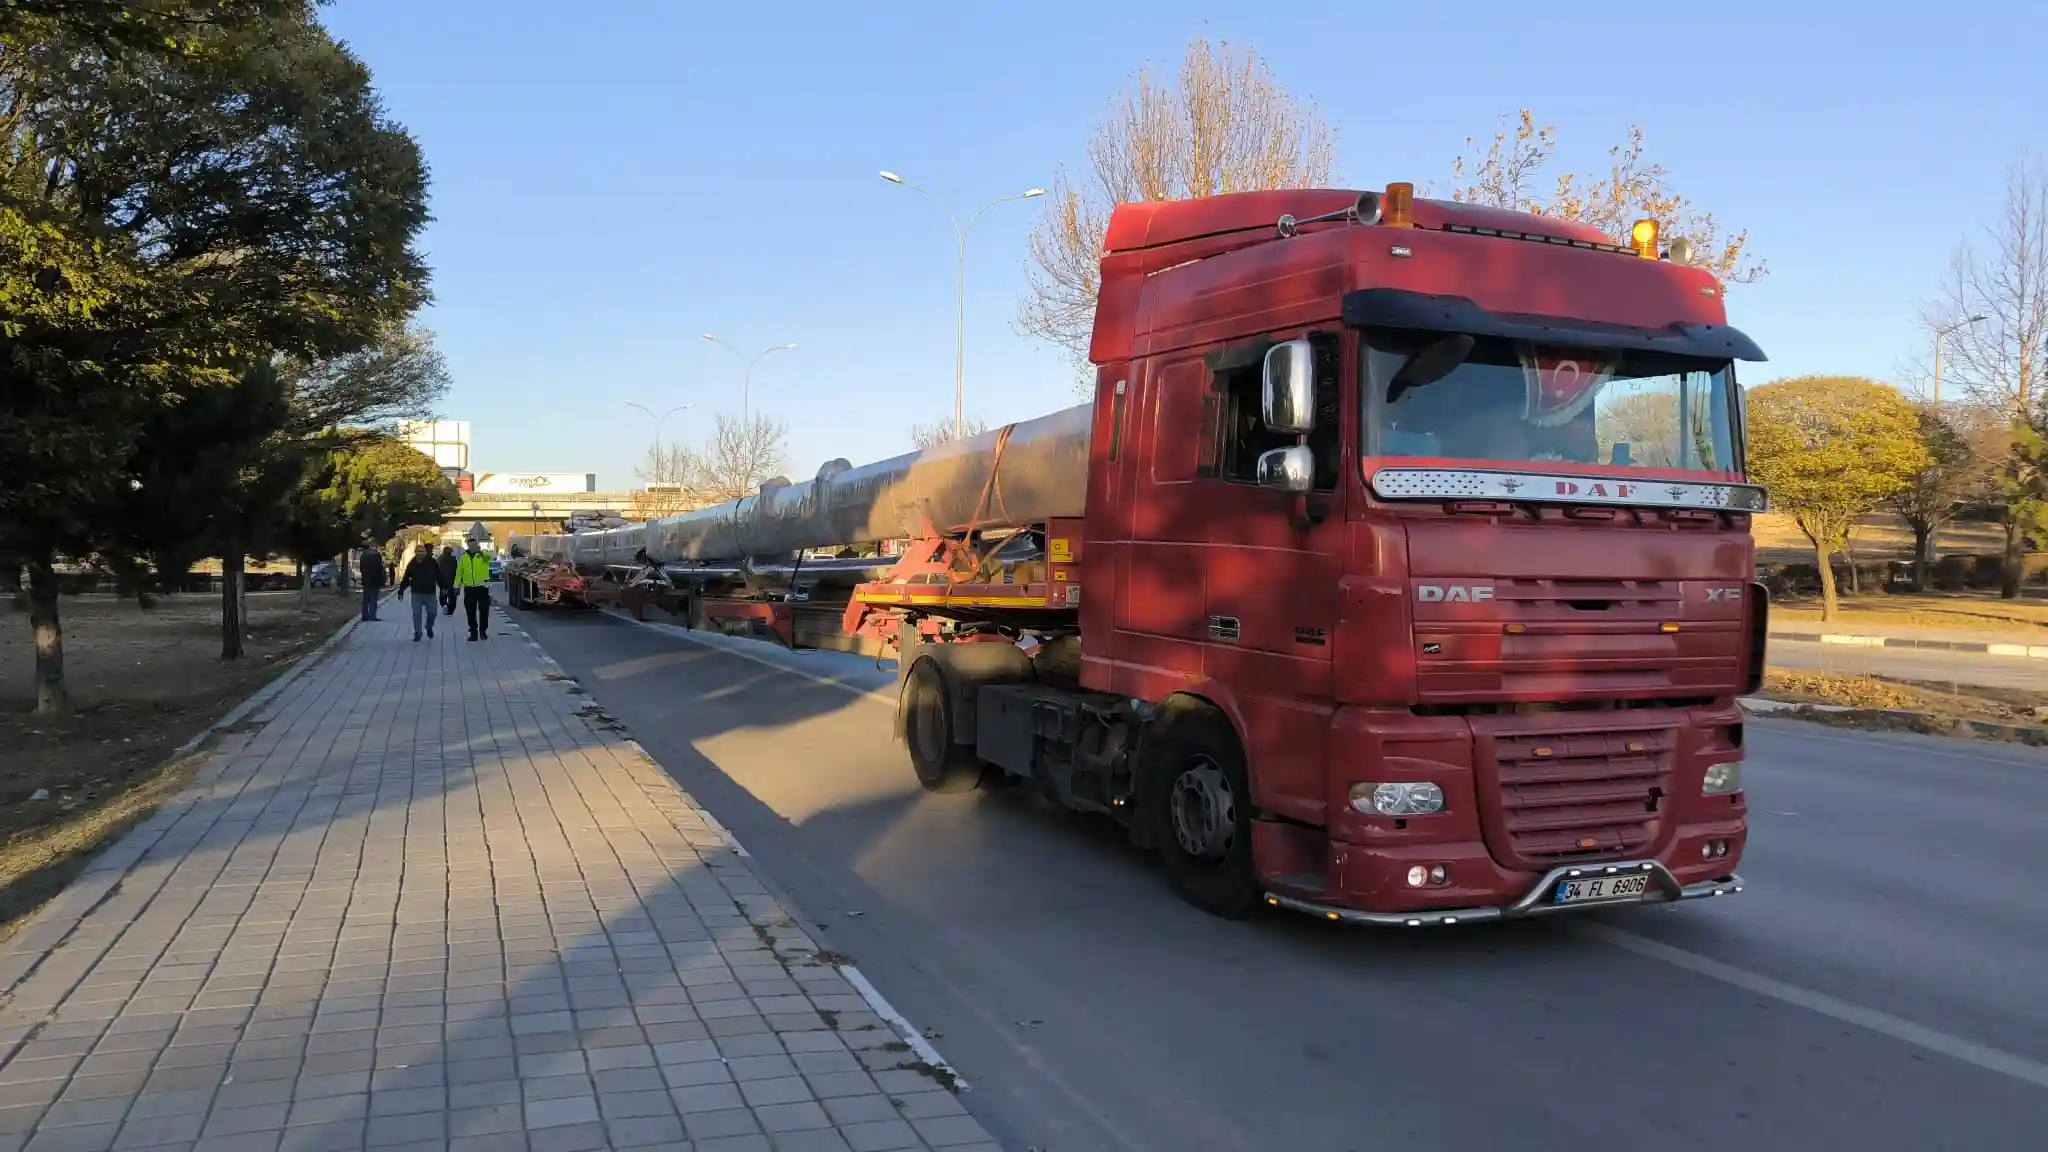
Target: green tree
x,y
374,489
1954,476
1832,449
170,213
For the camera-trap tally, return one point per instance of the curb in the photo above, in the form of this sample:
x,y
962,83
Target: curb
x,y
1987,648
268,692
919,1045
1924,723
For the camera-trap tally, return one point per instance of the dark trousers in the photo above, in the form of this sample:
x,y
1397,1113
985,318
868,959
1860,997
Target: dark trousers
x,y
447,601
476,607
370,595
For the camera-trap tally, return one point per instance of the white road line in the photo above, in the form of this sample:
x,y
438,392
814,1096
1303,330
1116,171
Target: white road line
x,y
682,633
1884,1024
879,1003
903,1027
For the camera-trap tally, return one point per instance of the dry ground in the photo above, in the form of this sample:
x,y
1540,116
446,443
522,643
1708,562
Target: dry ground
x,y
1882,537
142,683
1938,706
2024,620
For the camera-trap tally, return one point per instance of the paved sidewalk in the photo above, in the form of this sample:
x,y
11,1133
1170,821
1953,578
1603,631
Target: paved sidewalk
x,y
428,896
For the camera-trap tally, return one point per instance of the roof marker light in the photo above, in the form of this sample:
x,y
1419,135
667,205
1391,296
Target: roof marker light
x,y
1643,238
1397,207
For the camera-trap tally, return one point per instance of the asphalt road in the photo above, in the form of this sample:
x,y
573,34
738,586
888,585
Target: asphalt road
x,y
1880,986
1931,665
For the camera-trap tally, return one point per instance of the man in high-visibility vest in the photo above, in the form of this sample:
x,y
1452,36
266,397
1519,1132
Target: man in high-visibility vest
x,y
473,576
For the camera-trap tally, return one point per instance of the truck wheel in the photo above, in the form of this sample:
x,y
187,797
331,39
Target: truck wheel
x,y
1202,803
942,765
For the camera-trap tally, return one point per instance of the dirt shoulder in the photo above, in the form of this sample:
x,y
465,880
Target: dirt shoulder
x,y
142,683
1884,704
2021,621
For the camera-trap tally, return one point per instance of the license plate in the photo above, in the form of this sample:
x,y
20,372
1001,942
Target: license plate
x,y
1599,888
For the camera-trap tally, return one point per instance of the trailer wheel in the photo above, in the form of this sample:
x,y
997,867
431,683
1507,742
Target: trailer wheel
x,y
1202,804
941,764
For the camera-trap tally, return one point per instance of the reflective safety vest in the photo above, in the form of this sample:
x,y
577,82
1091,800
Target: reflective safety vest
x,y
472,570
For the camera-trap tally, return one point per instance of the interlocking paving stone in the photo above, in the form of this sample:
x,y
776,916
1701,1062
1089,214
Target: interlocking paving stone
x,y
425,899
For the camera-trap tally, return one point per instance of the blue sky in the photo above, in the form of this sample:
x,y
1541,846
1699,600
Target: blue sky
x,y
615,177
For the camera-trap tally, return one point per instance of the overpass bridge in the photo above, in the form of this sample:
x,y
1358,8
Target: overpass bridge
x,y
517,508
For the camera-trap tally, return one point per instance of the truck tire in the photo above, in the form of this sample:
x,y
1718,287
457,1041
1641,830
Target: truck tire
x,y
941,764
1201,801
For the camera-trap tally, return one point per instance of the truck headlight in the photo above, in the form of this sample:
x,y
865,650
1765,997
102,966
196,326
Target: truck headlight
x,y
1416,799
1722,780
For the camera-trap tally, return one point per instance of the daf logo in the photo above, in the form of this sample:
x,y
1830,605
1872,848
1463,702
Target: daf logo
x,y
1723,595
1453,593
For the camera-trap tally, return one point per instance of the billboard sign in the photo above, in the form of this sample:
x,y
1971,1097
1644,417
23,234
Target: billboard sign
x,y
536,483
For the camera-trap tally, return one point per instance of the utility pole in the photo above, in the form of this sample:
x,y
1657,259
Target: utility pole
x,y
960,318
747,382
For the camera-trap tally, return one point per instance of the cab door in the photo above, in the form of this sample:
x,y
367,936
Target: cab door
x,y
1256,569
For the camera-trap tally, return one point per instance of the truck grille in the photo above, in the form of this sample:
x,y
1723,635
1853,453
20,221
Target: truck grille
x,y
1570,796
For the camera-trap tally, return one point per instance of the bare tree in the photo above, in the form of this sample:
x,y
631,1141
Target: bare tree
x,y
740,455
671,481
2003,277
1224,124
1508,173
941,432
401,376
1955,476
2000,358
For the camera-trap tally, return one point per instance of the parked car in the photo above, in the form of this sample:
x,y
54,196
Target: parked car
x,y
322,575
497,567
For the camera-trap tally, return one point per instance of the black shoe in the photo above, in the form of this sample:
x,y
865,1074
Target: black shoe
x,y
415,637
472,635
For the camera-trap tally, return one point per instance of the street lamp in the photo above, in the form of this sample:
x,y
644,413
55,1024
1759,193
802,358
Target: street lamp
x,y
658,421
960,321
1939,333
747,385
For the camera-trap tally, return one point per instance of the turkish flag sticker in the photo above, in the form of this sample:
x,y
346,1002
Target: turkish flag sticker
x,y
1561,383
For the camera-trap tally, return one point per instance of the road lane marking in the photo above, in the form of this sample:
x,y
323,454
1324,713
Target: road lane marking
x,y
709,645
1883,1023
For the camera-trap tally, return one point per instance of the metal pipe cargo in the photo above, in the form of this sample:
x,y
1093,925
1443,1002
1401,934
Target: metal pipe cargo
x,y
1040,472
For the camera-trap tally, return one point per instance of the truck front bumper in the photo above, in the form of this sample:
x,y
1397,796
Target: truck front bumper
x,y
1540,900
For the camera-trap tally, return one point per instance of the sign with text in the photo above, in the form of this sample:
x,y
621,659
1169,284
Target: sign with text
x,y
536,483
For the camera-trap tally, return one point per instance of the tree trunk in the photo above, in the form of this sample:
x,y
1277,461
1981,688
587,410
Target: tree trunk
x,y
1827,585
2015,560
232,581
341,581
1923,555
305,586
52,697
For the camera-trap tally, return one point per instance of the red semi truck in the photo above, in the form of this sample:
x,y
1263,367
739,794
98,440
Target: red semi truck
x,y
1399,573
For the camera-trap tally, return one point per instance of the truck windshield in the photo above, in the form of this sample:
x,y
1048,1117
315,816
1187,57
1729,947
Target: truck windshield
x,y
1515,402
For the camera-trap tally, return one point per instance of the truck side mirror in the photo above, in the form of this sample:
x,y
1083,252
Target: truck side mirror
x,y
1288,392
1290,469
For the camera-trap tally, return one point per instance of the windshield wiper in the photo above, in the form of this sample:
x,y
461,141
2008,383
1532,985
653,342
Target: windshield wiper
x,y
1432,363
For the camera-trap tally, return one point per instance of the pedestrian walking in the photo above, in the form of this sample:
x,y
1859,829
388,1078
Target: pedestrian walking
x,y
473,576
370,566
448,596
422,582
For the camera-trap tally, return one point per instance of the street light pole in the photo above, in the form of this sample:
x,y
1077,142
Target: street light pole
x,y
1939,334
658,422
747,383
960,318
